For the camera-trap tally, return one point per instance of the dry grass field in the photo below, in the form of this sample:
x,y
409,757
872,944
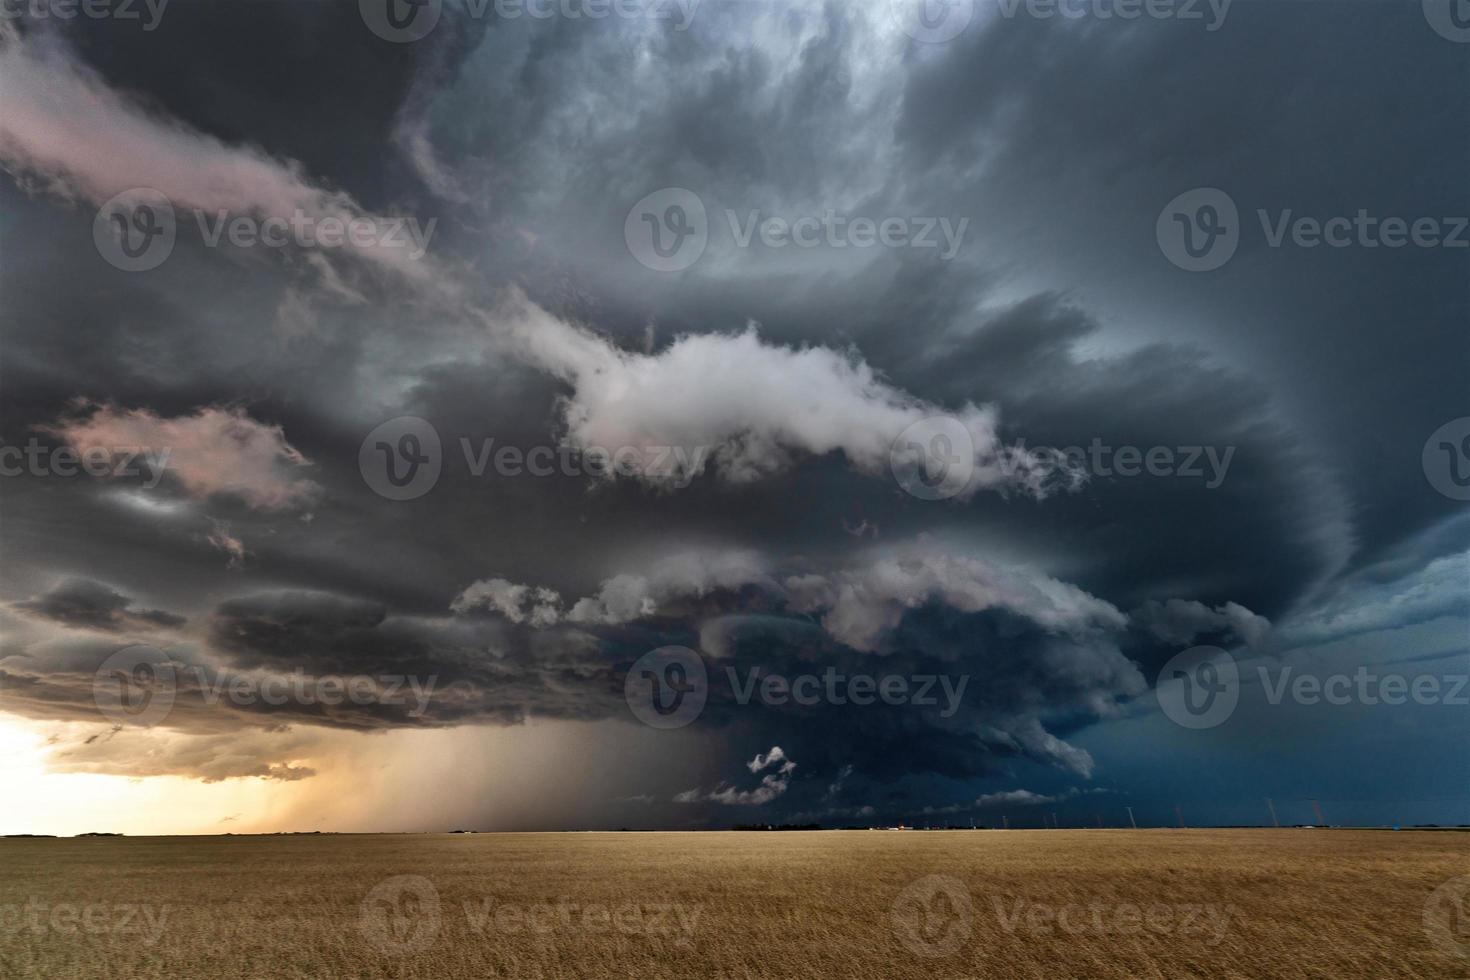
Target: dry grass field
x,y
852,905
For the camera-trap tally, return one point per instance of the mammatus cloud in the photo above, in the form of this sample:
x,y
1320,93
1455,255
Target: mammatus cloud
x,y
772,785
213,451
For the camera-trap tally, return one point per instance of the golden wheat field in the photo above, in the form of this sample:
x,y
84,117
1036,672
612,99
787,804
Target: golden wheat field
x,y
860,905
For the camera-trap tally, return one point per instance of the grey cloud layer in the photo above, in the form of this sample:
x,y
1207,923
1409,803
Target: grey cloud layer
x,y
1058,321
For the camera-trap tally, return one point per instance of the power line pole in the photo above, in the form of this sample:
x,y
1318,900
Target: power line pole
x,y
1130,817
1272,807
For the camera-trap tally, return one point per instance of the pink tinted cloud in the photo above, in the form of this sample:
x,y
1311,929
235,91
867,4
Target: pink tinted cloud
x,y
216,450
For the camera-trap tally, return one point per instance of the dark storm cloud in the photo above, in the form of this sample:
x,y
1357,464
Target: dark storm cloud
x,y
1320,373
83,604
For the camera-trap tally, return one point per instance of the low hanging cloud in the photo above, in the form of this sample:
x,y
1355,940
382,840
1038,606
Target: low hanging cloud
x,y
136,753
861,606
772,785
1021,797
79,603
624,597
216,450
758,407
1180,621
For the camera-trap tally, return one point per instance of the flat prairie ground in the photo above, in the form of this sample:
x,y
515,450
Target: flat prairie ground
x,y
857,905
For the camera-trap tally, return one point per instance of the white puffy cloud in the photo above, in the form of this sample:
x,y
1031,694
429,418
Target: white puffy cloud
x,y
772,785
755,407
517,603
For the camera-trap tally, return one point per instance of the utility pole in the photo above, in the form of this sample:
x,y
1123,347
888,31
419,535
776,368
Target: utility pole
x,y
1272,807
1130,817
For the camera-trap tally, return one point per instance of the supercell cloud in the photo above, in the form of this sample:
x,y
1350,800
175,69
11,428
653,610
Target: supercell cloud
x,y
408,404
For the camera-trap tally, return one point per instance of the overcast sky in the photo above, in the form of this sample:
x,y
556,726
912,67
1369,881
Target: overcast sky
x,y
480,350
